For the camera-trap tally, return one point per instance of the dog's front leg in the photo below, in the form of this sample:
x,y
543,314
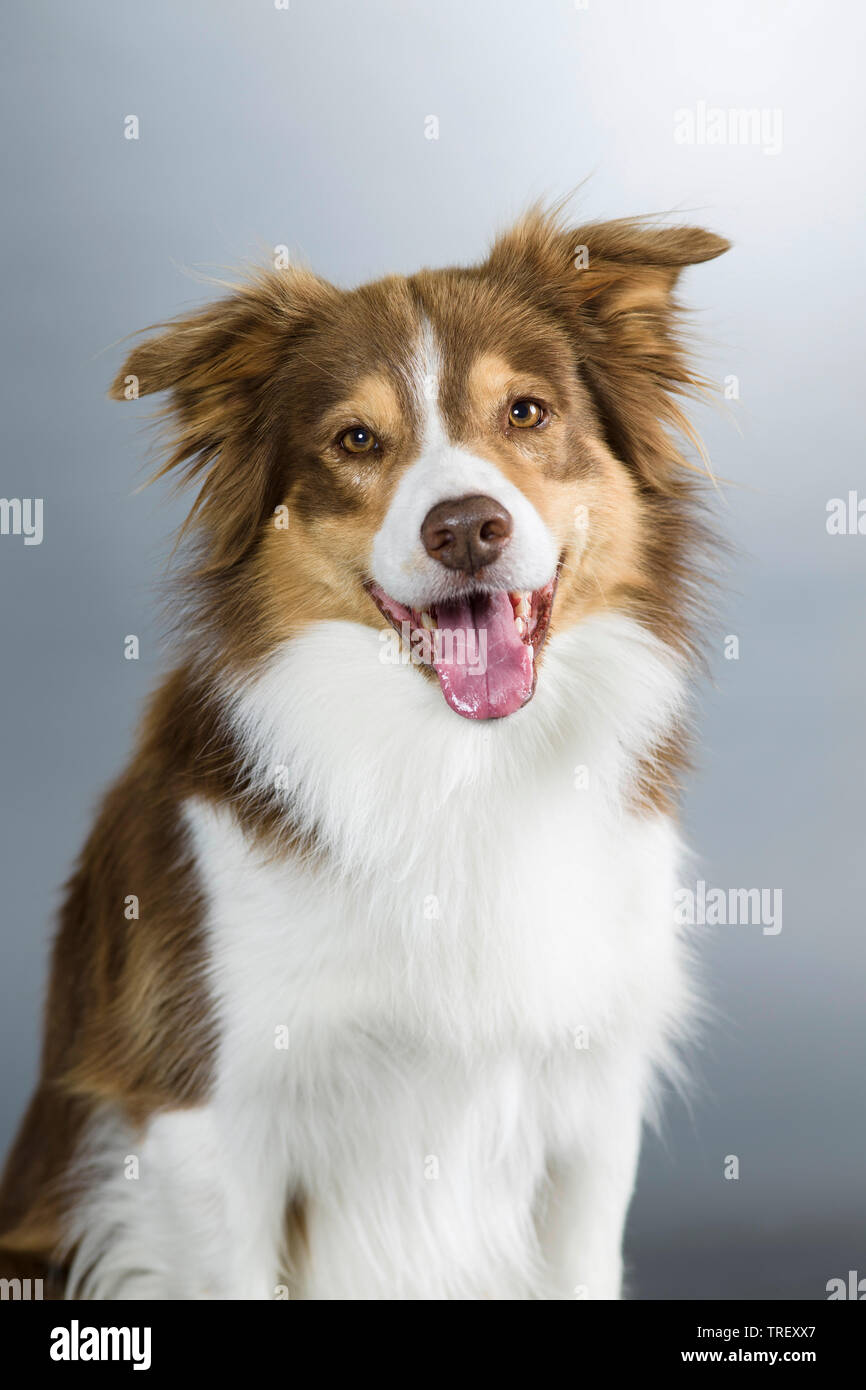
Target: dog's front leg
x,y
190,1207
581,1225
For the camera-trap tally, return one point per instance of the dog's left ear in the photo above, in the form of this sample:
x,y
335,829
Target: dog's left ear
x,y
612,284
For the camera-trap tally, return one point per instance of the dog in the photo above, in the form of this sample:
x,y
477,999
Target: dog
x,y
368,973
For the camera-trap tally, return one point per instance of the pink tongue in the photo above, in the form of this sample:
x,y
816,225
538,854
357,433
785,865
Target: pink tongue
x,y
484,668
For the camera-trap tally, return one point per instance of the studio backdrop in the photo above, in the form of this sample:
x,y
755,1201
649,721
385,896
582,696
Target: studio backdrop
x,y
150,148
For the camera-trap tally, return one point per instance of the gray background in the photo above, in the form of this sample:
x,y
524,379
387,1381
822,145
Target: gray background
x,y
260,127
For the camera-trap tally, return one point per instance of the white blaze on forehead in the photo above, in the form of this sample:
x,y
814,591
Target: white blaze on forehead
x,y
444,472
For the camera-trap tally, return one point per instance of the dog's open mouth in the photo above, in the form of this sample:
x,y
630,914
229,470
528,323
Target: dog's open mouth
x,y
484,647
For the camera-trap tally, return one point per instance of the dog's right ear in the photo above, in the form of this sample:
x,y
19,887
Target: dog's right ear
x,y
227,345
219,365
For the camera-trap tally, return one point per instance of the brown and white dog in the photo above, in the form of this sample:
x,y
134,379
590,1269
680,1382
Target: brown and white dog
x,y
369,964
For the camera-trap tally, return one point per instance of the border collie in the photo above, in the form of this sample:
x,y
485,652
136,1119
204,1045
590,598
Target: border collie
x,y
368,970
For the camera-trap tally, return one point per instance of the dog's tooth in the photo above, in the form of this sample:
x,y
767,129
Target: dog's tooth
x,y
522,629
427,621
524,603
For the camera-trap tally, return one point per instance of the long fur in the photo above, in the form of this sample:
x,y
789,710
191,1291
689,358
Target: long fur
x,y
398,986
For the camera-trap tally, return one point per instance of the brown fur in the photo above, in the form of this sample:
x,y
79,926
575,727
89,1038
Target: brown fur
x,y
259,386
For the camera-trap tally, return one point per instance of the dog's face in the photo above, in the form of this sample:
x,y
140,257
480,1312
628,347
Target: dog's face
x,y
477,456
439,462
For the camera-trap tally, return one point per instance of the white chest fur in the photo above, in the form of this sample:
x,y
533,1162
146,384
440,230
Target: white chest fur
x,y
443,1041
411,1037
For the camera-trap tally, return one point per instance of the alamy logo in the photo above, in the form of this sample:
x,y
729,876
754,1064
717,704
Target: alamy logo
x,y
22,516
855,1288
729,125
430,646
21,1290
731,907
76,1343
846,516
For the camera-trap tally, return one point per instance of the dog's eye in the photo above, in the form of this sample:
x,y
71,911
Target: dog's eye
x,y
526,414
358,440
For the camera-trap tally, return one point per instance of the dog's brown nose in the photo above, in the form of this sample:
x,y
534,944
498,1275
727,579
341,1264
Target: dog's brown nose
x,y
467,533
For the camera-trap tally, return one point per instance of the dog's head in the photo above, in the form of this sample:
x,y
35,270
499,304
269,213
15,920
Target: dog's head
x,y
482,456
